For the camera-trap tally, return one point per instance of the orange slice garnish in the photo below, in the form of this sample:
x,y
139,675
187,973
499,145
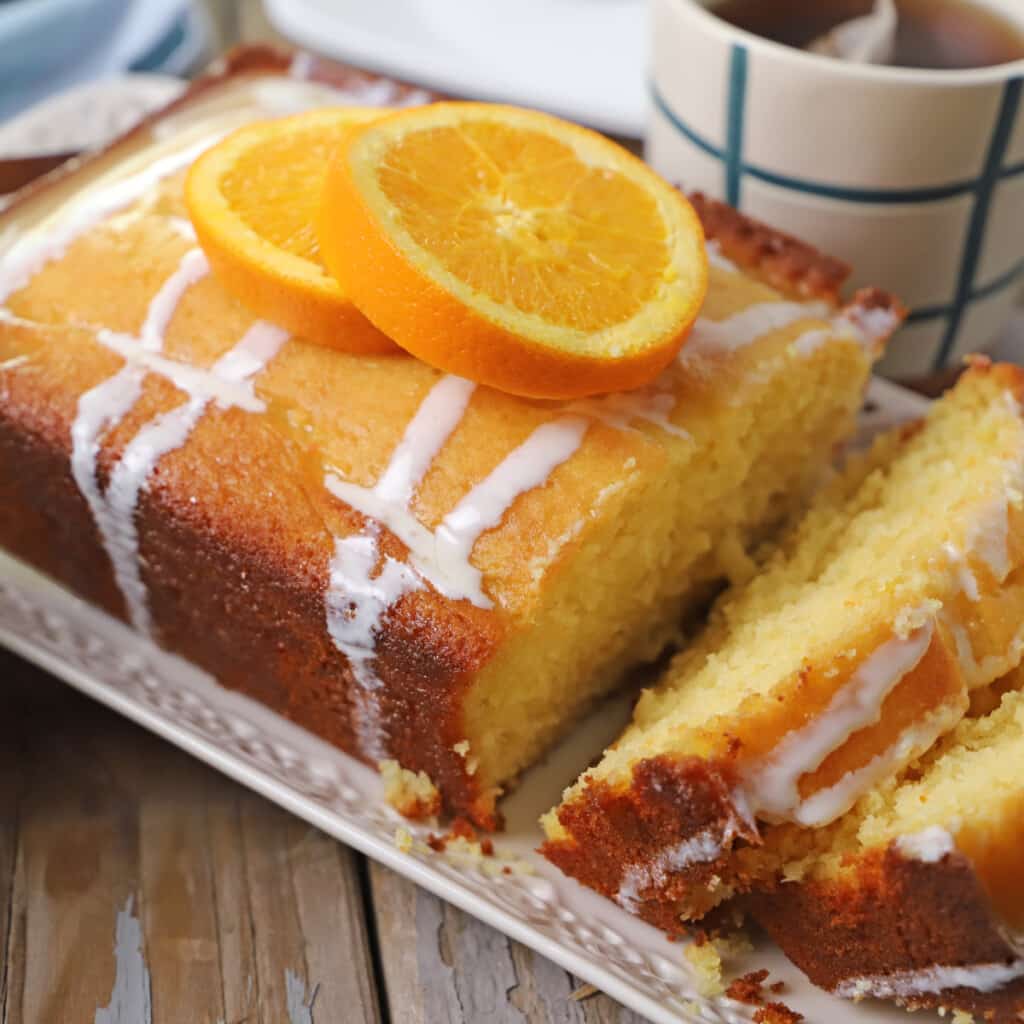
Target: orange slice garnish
x,y
253,200
513,248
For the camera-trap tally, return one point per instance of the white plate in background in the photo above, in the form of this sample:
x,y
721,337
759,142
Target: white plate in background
x,y
581,59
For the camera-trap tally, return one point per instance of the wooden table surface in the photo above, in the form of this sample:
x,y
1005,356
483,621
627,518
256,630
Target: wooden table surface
x,y
138,885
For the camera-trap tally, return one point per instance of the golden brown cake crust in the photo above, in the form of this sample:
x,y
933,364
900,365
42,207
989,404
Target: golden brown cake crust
x,y
669,802
248,611
786,263
270,643
889,914
791,266
672,803
274,646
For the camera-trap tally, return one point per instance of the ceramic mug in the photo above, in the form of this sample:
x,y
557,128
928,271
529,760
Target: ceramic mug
x,y
915,177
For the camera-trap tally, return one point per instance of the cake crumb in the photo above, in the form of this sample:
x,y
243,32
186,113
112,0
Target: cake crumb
x,y
481,854
734,944
962,1017
707,965
909,619
412,794
403,839
462,827
777,1013
748,988
776,987
471,763
584,992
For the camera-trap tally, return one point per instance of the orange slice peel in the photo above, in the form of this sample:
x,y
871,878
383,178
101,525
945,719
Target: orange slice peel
x,y
252,199
513,248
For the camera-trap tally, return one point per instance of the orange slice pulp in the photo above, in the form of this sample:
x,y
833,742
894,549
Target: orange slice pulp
x,y
513,248
252,200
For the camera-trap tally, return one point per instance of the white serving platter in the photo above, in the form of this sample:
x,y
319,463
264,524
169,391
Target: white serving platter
x,y
581,59
588,935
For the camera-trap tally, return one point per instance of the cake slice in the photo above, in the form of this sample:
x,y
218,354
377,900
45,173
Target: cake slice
x,y
915,895
436,577
856,647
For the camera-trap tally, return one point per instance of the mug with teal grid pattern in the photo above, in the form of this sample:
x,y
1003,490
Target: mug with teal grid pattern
x,y
915,177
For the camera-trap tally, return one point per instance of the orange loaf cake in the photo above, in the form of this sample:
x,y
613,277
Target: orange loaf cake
x,y
899,594
434,576
916,894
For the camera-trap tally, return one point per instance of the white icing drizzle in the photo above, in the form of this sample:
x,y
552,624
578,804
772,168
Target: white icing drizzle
x,y
483,508
869,325
990,538
116,520
931,980
964,652
438,415
702,848
981,673
442,556
653,404
865,327
182,226
32,251
709,337
193,268
103,407
100,409
163,434
966,578
825,805
771,783
271,95
928,846
810,341
358,597
226,390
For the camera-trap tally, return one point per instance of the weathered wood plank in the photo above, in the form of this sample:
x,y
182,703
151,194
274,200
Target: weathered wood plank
x,y
231,902
177,889
441,965
308,938
141,886
77,863
329,902
278,946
